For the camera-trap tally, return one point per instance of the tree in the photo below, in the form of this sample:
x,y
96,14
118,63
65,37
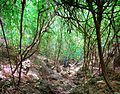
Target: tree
x,y
72,12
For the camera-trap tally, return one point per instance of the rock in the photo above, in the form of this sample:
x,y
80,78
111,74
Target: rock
x,y
55,77
2,41
101,84
26,64
58,69
47,63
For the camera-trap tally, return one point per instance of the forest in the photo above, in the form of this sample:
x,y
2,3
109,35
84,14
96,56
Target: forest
x,y
59,46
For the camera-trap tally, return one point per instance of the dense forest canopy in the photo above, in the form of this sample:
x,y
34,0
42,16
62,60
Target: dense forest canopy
x,y
68,22
87,30
58,30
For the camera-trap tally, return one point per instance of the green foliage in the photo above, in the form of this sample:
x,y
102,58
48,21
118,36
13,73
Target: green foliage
x,y
64,38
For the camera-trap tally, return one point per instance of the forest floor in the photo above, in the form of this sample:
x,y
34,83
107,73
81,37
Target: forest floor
x,y
46,76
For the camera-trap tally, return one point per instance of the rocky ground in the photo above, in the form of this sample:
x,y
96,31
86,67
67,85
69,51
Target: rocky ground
x,y
41,75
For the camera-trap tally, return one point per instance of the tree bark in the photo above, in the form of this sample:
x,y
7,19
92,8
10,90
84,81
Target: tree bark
x,y
97,21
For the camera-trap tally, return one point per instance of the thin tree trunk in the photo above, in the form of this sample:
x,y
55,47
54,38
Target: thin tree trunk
x,y
60,45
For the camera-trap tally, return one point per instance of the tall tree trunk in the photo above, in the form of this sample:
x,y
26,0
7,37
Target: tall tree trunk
x,y
101,57
97,20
